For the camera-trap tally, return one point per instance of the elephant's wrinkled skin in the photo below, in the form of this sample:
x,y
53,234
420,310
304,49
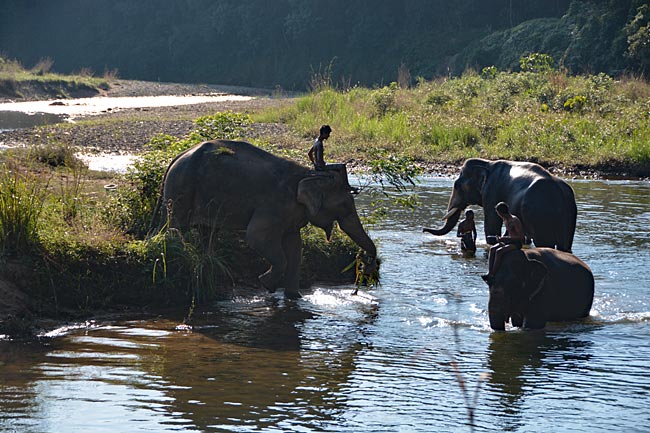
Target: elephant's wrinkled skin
x,y
538,285
235,185
544,203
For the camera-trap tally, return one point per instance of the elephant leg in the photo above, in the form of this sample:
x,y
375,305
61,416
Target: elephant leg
x,y
267,241
292,245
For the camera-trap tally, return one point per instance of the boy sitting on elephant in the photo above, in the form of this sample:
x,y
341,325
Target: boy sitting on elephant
x,y
513,239
317,151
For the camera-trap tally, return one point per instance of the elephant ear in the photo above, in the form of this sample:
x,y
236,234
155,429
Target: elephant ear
x,y
312,191
310,194
477,171
537,273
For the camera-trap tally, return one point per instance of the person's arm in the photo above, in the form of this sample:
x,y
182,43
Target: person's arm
x,y
311,155
474,232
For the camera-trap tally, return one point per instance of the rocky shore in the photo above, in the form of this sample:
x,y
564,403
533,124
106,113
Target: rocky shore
x,y
127,130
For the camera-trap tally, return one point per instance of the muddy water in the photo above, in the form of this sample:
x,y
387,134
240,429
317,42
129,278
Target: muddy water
x,y
389,360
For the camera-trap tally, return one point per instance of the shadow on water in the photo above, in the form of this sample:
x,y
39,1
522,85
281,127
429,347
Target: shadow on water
x,y
259,363
268,365
517,360
17,119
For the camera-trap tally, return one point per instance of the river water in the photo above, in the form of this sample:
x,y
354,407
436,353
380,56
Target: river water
x,y
392,359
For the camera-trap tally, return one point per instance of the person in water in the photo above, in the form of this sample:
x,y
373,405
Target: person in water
x,y
467,232
317,150
512,240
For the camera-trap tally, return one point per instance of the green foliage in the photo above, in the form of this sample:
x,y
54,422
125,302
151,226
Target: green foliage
x,y
536,62
576,103
550,117
133,206
297,42
384,99
22,198
489,72
638,37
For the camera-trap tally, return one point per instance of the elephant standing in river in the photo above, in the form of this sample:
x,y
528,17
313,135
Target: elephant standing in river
x,y
235,185
538,285
544,203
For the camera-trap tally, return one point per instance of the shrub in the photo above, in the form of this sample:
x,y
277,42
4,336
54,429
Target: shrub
x,y
22,198
536,62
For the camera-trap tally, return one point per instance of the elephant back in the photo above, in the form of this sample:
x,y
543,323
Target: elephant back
x,y
569,287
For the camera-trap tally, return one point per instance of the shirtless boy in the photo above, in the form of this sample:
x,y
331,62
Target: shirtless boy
x,y
513,239
467,232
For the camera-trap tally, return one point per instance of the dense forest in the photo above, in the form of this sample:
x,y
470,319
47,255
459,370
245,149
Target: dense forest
x,y
287,43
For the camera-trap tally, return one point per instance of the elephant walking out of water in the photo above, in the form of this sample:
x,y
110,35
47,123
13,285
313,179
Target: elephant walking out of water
x,y
544,203
235,185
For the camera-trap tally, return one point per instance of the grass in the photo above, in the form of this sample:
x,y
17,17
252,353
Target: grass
x,y
15,79
549,117
83,249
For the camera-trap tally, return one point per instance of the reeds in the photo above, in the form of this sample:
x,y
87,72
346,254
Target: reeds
x,y
22,199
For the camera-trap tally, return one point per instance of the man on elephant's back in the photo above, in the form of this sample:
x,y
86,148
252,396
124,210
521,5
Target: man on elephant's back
x,y
513,239
317,150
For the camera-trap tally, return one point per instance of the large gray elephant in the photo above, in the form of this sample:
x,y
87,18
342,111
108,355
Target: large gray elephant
x,y
544,203
538,285
235,185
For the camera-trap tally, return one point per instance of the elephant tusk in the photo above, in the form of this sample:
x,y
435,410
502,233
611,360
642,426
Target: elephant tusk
x,y
452,211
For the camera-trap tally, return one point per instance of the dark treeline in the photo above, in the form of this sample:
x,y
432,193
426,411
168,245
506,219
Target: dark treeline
x,y
265,43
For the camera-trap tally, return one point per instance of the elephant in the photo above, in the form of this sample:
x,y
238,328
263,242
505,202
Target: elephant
x,y
544,203
537,285
235,185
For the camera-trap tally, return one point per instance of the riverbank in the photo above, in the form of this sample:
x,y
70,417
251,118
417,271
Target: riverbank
x,y
126,131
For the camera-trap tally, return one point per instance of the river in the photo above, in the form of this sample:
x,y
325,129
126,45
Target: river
x,y
391,359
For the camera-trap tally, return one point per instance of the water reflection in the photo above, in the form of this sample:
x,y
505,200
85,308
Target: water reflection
x,y
516,360
16,119
379,361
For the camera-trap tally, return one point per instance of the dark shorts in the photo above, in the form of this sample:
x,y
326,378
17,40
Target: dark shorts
x,y
467,242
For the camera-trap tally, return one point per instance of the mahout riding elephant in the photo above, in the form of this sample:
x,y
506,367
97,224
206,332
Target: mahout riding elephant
x,y
235,185
537,285
544,203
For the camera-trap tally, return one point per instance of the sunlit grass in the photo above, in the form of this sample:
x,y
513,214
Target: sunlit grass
x,y
550,117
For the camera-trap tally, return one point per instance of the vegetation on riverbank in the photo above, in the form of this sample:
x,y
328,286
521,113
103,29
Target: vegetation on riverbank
x,y
74,246
19,82
541,114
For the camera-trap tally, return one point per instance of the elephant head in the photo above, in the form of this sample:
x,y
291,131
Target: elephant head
x,y
328,197
467,191
516,283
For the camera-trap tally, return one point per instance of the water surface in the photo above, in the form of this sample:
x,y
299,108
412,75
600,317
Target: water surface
x,y
389,360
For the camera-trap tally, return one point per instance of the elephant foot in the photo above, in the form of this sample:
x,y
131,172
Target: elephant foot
x,y
292,294
517,320
269,282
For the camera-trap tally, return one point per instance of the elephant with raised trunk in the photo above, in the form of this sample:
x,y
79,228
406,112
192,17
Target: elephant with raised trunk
x,y
538,285
235,185
544,203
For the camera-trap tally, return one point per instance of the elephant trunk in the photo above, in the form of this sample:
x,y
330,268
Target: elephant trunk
x,y
353,228
451,219
497,320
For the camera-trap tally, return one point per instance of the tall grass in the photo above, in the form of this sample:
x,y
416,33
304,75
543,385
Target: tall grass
x,y
22,199
541,115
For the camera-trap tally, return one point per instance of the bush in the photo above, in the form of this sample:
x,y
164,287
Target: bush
x,y
22,198
133,207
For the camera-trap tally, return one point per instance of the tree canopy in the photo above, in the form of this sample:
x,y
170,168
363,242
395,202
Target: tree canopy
x,y
283,43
